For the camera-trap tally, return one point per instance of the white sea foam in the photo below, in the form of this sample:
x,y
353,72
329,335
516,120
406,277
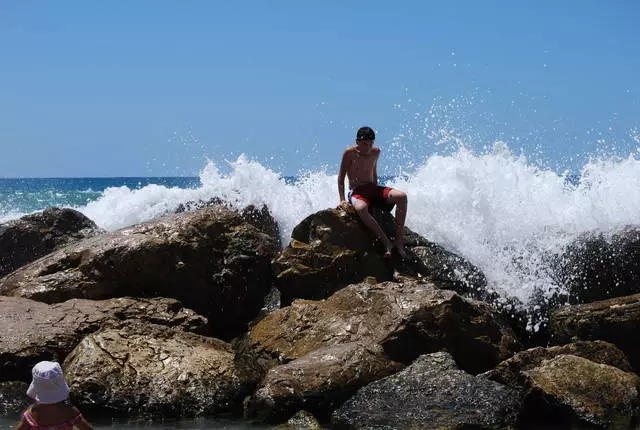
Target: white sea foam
x,y
508,216
248,183
10,215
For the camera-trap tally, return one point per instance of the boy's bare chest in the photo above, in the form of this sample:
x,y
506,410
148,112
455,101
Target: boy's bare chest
x,y
362,164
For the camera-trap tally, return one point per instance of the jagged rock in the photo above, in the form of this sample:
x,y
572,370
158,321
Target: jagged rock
x,y
26,239
146,370
431,393
13,398
195,205
319,381
511,371
212,260
331,249
598,266
614,320
259,218
33,331
262,220
407,319
595,266
451,272
573,392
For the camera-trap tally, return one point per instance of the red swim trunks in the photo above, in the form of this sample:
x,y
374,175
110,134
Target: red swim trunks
x,y
371,194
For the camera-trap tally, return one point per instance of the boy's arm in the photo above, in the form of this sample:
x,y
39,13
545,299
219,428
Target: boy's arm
x,y
341,174
375,167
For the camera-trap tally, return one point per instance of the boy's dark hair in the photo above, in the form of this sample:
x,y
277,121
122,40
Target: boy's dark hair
x,y
366,133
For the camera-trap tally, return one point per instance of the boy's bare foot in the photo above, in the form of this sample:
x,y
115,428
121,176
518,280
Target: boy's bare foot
x,y
388,252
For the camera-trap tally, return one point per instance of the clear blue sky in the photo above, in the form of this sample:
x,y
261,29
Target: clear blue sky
x,y
137,88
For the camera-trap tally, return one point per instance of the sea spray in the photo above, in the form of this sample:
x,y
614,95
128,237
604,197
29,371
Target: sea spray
x,y
496,210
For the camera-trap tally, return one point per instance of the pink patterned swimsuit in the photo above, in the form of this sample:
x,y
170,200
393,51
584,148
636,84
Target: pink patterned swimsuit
x,y
67,425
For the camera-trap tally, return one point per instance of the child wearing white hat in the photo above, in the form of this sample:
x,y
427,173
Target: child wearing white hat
x,y
51,410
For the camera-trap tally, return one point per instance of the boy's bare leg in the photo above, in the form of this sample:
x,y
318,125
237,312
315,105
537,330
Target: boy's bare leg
x,y
363,212
399,198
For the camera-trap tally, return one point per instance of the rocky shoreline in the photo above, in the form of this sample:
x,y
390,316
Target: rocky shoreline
x,y
204,313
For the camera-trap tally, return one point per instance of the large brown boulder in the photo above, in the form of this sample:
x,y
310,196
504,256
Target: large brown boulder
x,y
599,266
260,218
212,260
319,381
33,331
332,248
329,250
32,236
407,319
512,371
614,320
572,392
145,370
431,393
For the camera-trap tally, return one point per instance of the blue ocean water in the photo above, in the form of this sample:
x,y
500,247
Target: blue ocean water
x,y
25,195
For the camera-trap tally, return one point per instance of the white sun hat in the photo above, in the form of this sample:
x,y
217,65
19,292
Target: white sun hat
x,y
48,384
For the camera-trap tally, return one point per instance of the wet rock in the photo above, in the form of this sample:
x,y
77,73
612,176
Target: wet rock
x,y
262,220
407,319
33,331
511,371
302,420
33,236
195,205
614,320
599,266
431,393
573,392
145,370
212,260
452,272
319,381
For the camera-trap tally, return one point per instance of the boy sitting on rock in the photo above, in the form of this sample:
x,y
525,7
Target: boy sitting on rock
x,y
359,164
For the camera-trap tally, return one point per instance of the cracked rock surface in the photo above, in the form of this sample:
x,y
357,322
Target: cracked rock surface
x,y
33,331
145,370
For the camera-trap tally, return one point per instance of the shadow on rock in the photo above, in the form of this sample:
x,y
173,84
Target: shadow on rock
x,y
26,239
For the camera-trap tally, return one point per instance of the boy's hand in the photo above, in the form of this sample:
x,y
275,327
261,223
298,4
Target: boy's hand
x,y
346,206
